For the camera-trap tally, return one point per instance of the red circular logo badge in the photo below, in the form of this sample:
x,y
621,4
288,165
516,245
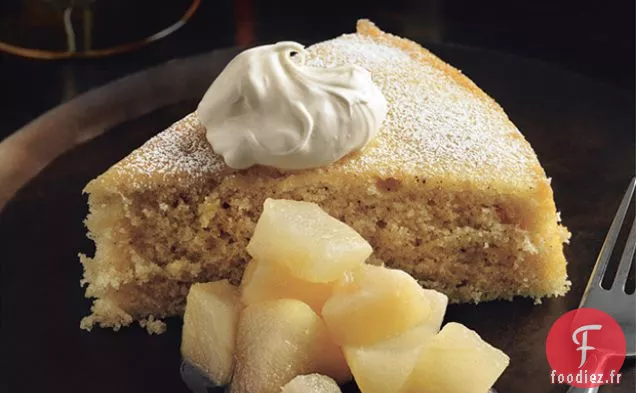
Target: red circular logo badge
x,y
585,348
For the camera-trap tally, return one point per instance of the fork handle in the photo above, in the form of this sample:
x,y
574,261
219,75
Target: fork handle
x,y
573,389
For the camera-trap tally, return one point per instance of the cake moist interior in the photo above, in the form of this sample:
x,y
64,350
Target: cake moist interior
x,y
471,247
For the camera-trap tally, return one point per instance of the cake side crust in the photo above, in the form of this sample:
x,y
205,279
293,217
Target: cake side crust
x,y
470,245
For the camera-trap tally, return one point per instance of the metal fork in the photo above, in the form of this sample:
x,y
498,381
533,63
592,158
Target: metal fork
x,y
614,301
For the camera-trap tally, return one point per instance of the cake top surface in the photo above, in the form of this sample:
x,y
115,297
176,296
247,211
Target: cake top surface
x,y
439,125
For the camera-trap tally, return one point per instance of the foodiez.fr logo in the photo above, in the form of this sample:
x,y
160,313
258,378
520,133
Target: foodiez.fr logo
x,y
585,348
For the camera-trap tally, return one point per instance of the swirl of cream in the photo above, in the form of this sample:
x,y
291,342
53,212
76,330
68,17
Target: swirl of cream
x,y
269,109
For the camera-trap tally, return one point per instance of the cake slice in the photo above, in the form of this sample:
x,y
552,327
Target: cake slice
x,y
449,191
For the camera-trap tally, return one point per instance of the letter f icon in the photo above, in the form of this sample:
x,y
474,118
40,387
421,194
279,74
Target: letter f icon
x,y
583,344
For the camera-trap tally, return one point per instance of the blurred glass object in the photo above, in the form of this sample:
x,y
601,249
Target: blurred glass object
x,y
57,29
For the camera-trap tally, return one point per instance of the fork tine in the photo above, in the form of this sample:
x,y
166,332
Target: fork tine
x,y
626,259
610,240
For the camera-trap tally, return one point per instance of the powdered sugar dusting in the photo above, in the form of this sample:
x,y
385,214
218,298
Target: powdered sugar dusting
x,y
180,149
435,127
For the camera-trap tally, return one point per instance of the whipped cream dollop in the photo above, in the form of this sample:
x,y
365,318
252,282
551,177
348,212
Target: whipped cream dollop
x,y
269,108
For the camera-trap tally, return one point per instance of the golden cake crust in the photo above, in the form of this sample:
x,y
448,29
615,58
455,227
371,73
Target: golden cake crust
x,y
472,141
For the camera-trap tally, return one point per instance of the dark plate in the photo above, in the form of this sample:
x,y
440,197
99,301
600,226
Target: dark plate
x,y
582,131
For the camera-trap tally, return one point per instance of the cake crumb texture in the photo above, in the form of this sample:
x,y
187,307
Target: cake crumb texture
x,y
449,191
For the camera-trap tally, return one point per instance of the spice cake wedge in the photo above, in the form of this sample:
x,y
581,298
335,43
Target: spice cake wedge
x,y
449,191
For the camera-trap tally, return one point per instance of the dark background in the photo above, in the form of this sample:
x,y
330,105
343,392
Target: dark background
x,y
583,132
595,39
